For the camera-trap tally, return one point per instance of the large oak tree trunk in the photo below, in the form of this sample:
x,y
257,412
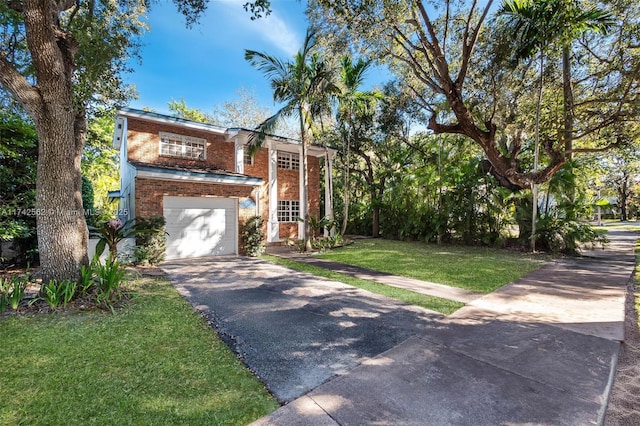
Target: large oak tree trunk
x,y
61,227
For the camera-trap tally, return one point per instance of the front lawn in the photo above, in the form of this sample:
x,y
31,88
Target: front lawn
x,y
432,303
477,269
153,362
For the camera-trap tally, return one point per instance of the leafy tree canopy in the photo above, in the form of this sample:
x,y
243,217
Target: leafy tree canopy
x,y
445,54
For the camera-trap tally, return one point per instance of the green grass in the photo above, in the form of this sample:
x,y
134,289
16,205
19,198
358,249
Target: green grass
x,y
473,268
433,303
153,362
615,224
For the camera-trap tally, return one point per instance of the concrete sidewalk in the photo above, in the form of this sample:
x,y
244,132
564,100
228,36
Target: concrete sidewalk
x,y
541,350
418,286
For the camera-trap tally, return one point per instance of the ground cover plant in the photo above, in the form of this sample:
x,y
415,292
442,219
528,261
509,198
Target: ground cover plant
x,y
153,361
433,303
478,269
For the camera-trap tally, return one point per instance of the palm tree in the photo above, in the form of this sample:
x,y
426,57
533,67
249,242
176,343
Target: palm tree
x,y
296,84
576,22
536,24
353,105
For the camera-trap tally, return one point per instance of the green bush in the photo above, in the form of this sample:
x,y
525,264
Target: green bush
x,y
151,241
253,236
561,235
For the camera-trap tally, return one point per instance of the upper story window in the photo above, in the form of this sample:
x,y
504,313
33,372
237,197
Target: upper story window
x,y
288,160
248,159
182,146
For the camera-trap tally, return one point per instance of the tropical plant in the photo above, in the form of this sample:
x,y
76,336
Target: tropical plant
x,y
561,234
4,290
57,293
297,84
109,277
534,25
253,237
110,233
87,273
12,291
150,244
354,115
316,226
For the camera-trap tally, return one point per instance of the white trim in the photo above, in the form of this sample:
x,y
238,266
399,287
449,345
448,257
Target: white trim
x,y
280,143
119,131
273,226
239,155
302,189
191,178
328,193
185,124
185,140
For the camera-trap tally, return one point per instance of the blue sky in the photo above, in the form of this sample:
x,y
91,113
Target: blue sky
x,y
205,65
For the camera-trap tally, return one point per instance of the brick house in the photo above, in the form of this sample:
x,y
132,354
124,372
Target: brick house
x,y
202,180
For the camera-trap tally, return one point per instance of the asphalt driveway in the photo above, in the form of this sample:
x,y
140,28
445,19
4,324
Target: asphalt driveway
x,y
294,330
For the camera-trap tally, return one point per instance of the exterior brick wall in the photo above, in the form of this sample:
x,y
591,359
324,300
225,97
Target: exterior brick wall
x,y
143,142
143,145
289,189
150,193
260,166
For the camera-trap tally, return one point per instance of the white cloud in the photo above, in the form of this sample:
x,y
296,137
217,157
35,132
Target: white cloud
x,y
272,28
278,32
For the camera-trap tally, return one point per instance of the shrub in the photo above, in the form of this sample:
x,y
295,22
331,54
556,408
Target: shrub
x,y
151,240
56,293
561,235
253,236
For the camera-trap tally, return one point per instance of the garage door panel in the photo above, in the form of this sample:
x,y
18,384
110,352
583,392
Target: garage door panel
x,y
200,227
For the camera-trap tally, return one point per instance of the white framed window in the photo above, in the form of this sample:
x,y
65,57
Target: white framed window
x,y
247,159
173,145
288,160
288,211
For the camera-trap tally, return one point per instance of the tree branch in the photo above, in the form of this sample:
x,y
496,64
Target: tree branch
x,y
445,128
438,59
619,142
411,46
16,5
19,87
468,43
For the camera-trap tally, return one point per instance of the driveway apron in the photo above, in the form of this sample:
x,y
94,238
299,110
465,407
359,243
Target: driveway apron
x,y
541,350
293,330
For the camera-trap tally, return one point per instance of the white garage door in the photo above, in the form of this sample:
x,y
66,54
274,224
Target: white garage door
x,y
200,227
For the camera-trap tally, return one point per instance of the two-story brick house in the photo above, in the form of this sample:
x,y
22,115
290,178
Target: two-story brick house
x,y
202,180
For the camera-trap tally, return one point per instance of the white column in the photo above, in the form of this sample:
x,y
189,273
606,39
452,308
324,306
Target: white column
x,y
328,192
273,227
239,155
303,206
